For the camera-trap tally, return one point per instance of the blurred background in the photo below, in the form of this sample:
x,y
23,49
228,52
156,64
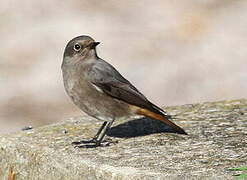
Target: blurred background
x,y
175,52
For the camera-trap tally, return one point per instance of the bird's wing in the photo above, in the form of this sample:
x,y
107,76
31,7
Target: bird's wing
x,y
112,83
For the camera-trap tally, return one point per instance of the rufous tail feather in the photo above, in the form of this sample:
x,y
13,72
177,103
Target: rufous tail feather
x,y
164,119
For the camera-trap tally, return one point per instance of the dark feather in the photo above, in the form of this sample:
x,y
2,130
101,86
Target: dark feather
x,y
112,83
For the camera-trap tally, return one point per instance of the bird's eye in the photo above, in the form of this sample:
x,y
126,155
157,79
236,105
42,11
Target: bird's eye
x,y
77,47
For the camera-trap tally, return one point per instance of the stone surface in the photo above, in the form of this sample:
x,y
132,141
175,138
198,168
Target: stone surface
x,y
143,148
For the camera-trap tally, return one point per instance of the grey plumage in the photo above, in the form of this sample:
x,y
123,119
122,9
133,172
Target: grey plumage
x,y
98,89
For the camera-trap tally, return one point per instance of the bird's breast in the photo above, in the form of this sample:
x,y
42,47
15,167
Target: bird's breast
x,y
91,99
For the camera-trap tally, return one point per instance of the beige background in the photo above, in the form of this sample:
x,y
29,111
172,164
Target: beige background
x,y
175,52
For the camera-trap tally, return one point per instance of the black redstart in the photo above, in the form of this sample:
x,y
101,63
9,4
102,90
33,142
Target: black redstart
x,y
99,90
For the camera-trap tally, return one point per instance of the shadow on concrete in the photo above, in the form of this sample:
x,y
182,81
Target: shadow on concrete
x,y
139,127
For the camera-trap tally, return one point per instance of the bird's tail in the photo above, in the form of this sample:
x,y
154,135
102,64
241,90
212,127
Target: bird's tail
x,y
164,118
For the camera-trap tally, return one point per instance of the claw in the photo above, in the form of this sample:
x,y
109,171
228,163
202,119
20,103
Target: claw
x,y
85,141
93,143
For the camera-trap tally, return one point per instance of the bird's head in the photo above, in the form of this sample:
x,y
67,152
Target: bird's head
x,y
80,48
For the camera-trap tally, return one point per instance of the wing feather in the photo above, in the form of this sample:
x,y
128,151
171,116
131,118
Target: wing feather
x,y
112,83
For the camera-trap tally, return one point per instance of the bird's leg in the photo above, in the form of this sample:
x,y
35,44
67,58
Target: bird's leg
x,y
102,135
100,130
94,139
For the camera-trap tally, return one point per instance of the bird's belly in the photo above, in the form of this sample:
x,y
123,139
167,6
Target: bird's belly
x,y
98,104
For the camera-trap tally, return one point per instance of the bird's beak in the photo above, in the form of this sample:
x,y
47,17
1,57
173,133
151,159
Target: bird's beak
x,y
92,45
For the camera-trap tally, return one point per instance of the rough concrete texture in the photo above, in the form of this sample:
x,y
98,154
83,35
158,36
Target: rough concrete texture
x,y
143,148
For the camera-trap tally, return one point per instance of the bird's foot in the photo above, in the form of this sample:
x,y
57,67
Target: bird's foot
x,y
94,140
93,143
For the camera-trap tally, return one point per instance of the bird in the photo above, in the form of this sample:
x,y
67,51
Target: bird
x,y
99,90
